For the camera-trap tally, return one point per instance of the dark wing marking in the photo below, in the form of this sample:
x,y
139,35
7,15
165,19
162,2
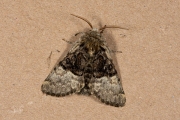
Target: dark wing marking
x,y
103,66
74,62
107,86
67,76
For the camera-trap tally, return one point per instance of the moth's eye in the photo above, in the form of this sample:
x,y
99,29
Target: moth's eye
x,y
67,60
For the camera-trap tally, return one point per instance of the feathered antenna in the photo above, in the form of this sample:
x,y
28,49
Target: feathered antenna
x,y
83,19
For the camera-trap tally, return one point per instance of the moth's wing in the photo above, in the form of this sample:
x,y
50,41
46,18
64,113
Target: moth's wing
x,y
107,85
64,78
109,91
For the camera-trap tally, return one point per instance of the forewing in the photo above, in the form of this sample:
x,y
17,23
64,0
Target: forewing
x,y
67,76
107,86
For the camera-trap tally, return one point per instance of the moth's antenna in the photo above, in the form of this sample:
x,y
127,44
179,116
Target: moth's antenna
x,y
84,20
111,26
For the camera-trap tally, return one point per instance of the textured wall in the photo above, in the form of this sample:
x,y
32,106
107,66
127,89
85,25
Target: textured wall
x,y
149,62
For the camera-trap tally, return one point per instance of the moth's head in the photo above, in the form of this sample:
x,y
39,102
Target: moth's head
x,y
94,33
92,40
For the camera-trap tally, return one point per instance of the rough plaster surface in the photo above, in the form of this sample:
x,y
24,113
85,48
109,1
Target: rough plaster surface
x,y
149,63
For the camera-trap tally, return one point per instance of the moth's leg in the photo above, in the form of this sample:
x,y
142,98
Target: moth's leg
x,y
108,50
49,58
78,33
115,51
69,42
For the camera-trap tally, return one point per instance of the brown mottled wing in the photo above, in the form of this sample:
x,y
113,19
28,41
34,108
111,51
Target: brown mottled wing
x,y
67,76
107,86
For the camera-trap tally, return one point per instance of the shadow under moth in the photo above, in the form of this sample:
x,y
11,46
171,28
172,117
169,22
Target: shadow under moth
x,y
87,69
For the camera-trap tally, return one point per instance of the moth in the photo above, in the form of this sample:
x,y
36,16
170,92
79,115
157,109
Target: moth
x,y
87,69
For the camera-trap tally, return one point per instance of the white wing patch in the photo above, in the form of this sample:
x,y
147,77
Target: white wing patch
x,y
109,90
61,82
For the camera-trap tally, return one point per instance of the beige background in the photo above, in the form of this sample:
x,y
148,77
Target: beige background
x,y
149,63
